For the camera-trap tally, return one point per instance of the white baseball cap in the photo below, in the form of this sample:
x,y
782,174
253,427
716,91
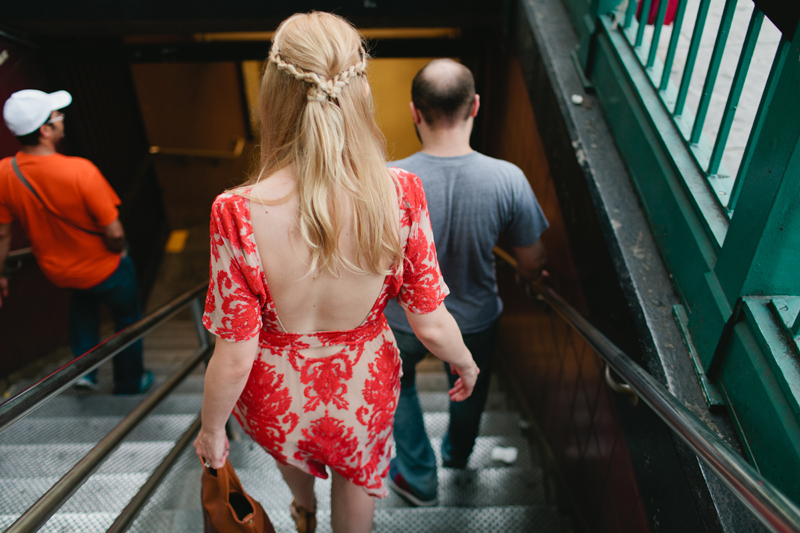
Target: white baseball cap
x,y
25,111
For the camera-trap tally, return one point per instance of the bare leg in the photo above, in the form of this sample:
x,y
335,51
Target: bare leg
x,y
301,485
351,508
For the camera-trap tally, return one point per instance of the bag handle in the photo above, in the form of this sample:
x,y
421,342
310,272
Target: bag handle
x,y
25,182
220,473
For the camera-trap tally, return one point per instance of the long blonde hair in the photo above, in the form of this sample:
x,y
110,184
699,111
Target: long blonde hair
x,y
315,112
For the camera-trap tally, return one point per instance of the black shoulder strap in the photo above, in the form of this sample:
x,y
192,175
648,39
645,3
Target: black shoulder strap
x,y
24,181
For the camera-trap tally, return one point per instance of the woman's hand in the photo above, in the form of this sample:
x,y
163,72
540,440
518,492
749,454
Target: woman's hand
x,y
467,375
212,446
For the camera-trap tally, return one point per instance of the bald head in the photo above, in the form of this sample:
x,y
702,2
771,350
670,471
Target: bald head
x,y
443,91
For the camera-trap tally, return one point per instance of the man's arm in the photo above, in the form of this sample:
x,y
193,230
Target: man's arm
x,y
114,237
5,246
530,260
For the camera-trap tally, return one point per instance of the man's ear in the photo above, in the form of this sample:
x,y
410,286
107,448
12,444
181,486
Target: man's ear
x,y
476,104
415,113
45,130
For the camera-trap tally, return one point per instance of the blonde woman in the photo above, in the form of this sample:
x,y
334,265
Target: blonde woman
x,y
304,259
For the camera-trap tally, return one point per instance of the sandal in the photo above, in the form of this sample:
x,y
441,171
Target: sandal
x,y
305,521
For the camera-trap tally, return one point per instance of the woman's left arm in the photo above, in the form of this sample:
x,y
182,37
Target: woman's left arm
x,y
226,377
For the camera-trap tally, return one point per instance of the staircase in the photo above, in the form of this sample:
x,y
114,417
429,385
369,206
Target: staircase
x,y
488,496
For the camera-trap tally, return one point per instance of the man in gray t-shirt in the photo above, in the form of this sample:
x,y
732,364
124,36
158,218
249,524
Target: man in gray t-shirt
x,y
472,199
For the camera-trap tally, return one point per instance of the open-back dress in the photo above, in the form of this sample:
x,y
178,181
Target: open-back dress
x,y
307,408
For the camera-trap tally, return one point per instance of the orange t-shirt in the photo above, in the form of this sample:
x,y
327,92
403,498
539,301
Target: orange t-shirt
x,y
73,188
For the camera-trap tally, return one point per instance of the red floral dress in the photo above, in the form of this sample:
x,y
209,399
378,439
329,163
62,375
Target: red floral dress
x,y
306,409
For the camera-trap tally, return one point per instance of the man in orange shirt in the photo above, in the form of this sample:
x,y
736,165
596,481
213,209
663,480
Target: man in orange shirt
x,y
69,213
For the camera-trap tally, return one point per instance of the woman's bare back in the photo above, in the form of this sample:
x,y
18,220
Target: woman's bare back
x,y
306,302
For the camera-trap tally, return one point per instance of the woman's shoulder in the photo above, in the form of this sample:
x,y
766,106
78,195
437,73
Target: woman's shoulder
x,y
231,210
231,199
410,186
406,178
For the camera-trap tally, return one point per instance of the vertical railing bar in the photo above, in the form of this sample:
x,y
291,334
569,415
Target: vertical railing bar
x,y
662,13
781,55
737,86
673,44
713,69
630,12
691,58
643,18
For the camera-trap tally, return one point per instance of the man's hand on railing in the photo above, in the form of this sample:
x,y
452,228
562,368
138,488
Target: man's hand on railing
x,y
543,277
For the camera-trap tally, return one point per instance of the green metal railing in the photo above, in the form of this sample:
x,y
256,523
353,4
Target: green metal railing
x,y
730,242
707,154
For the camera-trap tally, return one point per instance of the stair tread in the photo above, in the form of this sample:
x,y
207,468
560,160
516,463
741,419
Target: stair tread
x,y
508,519
112,405
45,460
93,429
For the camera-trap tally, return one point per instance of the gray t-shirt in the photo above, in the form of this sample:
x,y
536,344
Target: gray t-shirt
x,y
472,199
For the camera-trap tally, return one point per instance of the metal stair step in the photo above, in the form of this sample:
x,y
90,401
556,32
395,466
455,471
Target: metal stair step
x,y
72,522
248,454
493,423
44,460
432,381
440,402
161,522
102,493
77,429
193,384
111,405
507,519
518,484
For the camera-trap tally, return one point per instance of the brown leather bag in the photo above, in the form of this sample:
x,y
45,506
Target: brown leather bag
x,y
227,508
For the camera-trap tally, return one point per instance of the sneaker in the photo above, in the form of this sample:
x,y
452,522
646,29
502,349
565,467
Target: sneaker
x,y
147,381
86,383
398,484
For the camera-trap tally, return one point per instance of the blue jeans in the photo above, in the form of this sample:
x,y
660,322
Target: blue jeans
x,y
415,460
121,294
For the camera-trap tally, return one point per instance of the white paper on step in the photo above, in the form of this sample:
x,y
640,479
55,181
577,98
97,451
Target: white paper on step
x,y
507,455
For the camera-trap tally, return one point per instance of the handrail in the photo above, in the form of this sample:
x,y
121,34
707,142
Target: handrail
x,y
46,506
19,253
196,152
137,503
38,394
763,499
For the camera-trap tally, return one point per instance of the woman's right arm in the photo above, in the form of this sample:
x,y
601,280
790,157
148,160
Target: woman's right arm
x,y
439,333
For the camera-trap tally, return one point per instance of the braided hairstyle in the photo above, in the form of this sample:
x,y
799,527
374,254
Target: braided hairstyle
x,y
316,114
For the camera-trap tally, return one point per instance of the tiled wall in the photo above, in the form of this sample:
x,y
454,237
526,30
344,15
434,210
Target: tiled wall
x,y
559,374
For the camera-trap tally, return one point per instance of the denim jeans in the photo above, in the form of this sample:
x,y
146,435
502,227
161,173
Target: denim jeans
x,y
121,294
415,459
